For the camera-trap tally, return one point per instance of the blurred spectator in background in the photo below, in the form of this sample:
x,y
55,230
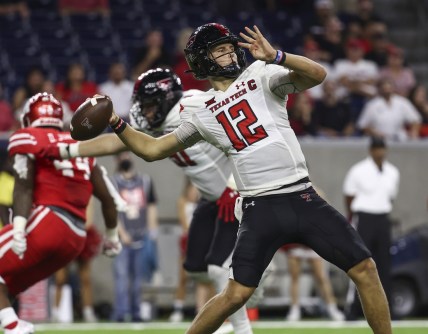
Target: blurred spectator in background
x,y
7,183
49,87
332,116
138,232
204,291
90,250
364,13
153,54
119,88
180,64
300,115
370,187
402,77
389,115
377,42
356,76
354,30
34,80
331,40
8,121
418,97
75,89
323,11
296,254
9,7
71,7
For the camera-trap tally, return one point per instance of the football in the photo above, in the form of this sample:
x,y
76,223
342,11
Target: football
x,y
91,118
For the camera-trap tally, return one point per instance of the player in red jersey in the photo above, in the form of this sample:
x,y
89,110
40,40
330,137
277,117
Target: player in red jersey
x,y
50,199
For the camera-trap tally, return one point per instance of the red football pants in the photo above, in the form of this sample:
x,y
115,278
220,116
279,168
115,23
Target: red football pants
x,y
51,244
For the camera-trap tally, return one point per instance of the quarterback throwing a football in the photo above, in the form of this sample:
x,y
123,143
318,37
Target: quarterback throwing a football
x,y
245,116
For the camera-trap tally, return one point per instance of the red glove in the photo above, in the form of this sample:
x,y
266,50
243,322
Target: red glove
x,y
56,151
226,205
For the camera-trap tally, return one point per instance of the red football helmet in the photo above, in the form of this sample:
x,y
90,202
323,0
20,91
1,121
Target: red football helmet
x,y
42,109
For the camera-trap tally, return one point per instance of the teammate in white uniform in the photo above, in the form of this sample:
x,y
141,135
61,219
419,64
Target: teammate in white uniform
x,y
245,116
213,231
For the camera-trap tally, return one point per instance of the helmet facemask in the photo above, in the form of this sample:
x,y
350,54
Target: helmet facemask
x,y
199,47
155,110
155,94
233,70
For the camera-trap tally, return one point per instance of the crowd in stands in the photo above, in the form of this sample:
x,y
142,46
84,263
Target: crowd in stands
x,y
370,88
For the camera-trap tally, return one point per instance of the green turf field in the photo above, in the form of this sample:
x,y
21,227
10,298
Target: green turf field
x,y
271,327
256,331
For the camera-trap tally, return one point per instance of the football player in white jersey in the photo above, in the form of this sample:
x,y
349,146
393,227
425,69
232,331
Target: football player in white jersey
x,y
245,116
213,230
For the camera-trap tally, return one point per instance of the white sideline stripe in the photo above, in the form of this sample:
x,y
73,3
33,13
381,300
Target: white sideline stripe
x,y
257,324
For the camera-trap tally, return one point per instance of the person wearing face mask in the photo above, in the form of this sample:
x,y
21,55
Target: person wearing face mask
x,y
137,230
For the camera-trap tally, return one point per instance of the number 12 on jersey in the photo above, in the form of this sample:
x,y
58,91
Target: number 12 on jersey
x,y
243,126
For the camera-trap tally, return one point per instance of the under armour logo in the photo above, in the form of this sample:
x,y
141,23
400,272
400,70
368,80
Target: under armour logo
x,y
242,84
250,204
86,123
306,197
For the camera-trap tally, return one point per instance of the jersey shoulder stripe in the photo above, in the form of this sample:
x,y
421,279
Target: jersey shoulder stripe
x,y
22,142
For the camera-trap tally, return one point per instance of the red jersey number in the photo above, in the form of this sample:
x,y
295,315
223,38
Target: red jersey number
x,y
250,136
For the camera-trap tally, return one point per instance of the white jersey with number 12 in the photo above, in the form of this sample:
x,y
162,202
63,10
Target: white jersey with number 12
x,y
249,122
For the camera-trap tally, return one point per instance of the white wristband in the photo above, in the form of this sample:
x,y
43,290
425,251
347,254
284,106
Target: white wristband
x,y
19,223
74,150
112,234
68,151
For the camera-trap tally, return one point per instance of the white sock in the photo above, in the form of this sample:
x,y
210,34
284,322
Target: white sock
x,y
55,312
295,307
178,305
7,316
239,320
88,311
